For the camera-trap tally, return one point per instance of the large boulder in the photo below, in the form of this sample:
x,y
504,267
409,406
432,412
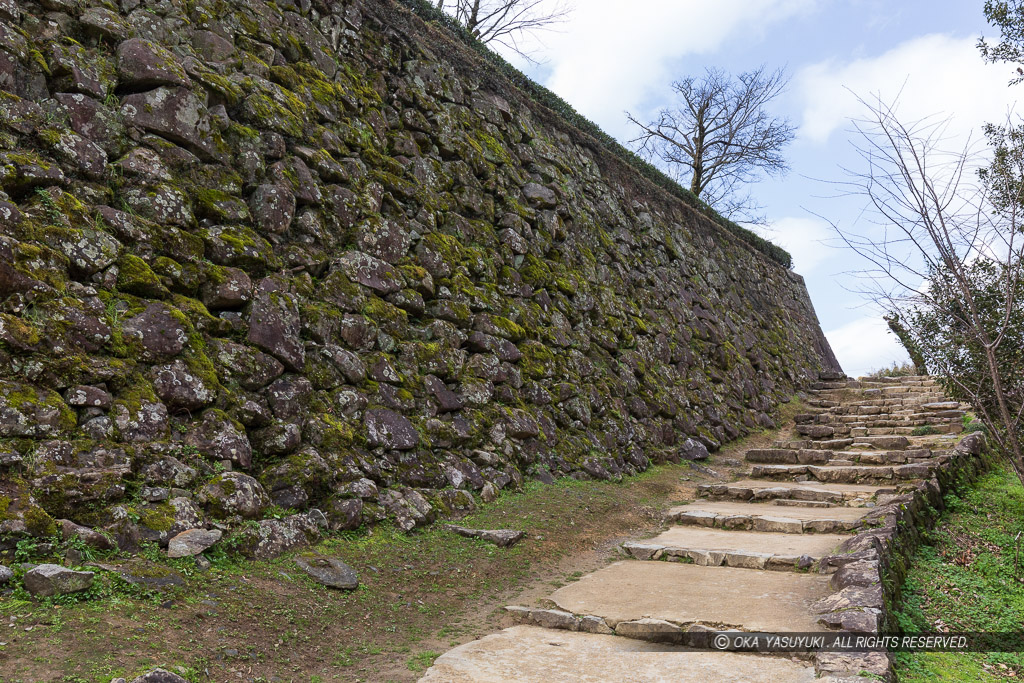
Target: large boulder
x,y
218,437
234,493
180,387
275,325
388,429
177,114
141,63
271,537
48,580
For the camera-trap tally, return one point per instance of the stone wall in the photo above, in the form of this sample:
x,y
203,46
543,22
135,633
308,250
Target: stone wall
x,y
319,256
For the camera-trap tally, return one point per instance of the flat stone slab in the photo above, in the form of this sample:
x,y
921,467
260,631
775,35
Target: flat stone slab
x,y
751,489
686,594
528,654
768,518
705,545
503,538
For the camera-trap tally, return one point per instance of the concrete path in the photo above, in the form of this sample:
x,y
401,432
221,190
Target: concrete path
x,y
707,570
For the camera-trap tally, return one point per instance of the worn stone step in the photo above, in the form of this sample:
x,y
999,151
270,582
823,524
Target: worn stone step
x,y
529,654
767,518
793,502
844,474
689,595
840,494
744,549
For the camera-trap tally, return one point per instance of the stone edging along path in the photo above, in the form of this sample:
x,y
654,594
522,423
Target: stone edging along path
x,y
816,539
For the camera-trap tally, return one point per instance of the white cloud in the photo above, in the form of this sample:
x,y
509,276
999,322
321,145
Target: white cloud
x,y
804,238
609,58
865,344
938,75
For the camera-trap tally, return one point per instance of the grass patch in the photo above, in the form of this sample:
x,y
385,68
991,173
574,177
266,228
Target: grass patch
x,y
967,580
422,661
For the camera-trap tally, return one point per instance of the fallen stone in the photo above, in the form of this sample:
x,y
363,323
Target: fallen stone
x,y
48,580
693,450
192,542
159,676
151,576
503,538
329,571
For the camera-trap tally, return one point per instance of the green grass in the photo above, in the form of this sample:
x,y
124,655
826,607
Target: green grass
x,y
422,661
966,580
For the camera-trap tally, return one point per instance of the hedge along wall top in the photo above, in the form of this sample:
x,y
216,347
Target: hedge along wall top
x,y
326,246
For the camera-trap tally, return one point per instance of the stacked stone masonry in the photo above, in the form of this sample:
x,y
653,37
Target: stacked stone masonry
x,y
786,554
315,256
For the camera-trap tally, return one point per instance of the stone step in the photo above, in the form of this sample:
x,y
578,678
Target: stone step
x,y
743,549
879,442
529,654
767,518
807,456
688,595
855,495
793,502
844,474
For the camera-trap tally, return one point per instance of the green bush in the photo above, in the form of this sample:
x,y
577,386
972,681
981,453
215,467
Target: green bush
x,y
542,95
923,431
976,426
895,370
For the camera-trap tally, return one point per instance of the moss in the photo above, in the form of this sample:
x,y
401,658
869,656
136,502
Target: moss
x,y
21,334
265,112
538,361
5,504
389,317
27,400
535,271
159,517
38,522
340,436
134,276
508,329
445,245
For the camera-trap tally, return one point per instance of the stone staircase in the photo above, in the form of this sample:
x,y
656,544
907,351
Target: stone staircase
x,y
754,555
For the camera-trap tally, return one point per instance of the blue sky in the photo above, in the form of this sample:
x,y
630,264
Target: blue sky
x,y
609,58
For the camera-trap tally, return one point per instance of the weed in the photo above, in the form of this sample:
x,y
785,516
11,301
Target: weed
x,y
422,661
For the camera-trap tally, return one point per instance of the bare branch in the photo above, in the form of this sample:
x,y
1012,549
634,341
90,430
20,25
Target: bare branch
x,y
720,138
945,256
507,22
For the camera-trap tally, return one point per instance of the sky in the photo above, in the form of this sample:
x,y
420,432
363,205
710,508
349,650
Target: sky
x,y
611,57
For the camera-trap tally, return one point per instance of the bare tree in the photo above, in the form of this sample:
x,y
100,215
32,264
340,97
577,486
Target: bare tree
x,y
506,22
945,248
720,138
